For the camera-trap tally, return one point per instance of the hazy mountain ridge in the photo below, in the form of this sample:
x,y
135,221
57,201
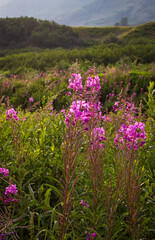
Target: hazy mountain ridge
x,y
109,12
81,12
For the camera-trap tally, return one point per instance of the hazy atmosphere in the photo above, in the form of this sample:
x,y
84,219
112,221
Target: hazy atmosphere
x,y
81,12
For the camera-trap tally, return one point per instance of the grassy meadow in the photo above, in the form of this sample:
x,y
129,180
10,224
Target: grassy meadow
x,y
77,137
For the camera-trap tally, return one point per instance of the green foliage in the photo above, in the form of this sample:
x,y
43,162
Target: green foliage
x,y
24,32
151,100
99,33
102,55
36,148
141,34
53,84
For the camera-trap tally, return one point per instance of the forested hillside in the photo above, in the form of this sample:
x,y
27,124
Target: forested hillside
x,y
26,32
22,32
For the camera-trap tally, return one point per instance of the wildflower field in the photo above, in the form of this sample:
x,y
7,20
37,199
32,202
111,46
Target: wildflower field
x,y
77,151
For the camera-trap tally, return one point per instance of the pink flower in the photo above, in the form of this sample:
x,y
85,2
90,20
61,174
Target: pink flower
x,y
94,235
11,114
88,238
106,118
31,99
116,103
4,171
68,93
84,204
93,83
82,110
75,82
132,135
91,235
11,190
99,135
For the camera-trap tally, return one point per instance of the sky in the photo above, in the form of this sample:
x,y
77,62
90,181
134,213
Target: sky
x,y
4,1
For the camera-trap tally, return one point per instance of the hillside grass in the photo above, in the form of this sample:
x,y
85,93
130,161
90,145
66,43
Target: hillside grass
x,y
141,34
87,33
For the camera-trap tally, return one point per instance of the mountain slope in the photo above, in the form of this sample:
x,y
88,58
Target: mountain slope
x,y
47,9
108,12
81,12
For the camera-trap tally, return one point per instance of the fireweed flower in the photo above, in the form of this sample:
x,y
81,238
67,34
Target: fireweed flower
x,y
126,105
91,235
93,83
132,136
116,103
63,111
84,204
3,236
4,171
11,114
130,106
94,235
88,238
11,190
68,93
128,118
31,99
82,110
106,118
99,135
75,82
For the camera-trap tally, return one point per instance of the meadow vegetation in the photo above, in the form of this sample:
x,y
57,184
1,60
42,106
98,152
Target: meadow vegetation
x,y
77,143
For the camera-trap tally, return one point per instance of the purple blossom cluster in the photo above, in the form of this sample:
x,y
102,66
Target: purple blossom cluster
x,y
93,83
4,236
84,204
126,105
11,189
82,110
75,82
6,85
106,118
132,136
11,114
4,171
127,117
31,99
91,235
99,135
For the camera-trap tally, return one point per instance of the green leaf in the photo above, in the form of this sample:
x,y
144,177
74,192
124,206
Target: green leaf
x,y
47,198
31,192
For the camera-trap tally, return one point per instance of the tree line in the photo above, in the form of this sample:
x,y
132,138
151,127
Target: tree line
x,y
24,31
